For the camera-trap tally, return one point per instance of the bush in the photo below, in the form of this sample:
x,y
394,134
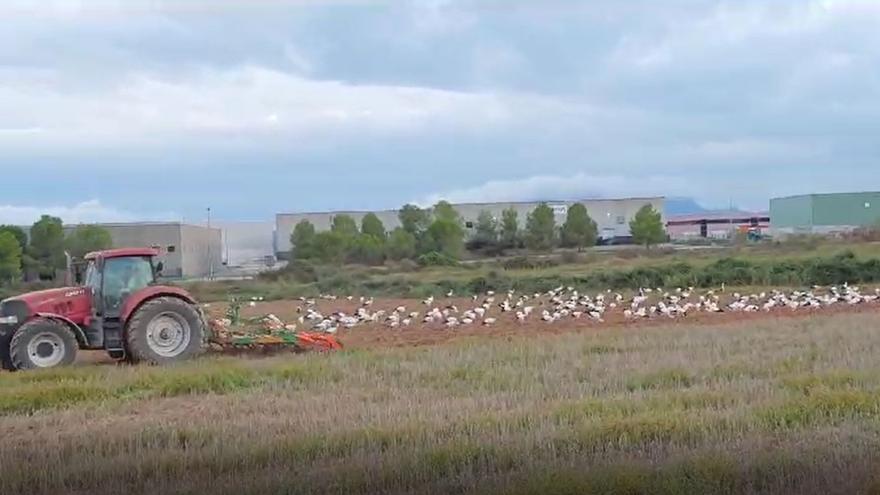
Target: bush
x,y
435,258
526,263
367,249
406,266
401,244
863,234
802,242
571,257
492,281
302,271
627,253
304,278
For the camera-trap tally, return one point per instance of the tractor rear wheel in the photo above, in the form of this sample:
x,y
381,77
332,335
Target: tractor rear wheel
x,y
5,358
42,343
164,330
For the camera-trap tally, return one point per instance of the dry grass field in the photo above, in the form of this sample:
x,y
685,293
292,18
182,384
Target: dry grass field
x,y
769,405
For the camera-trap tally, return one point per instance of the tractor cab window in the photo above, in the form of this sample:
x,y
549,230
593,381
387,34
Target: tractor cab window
x,y
93,278
124,276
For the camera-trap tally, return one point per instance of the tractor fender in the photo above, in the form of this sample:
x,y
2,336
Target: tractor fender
x,y
136,300
76,329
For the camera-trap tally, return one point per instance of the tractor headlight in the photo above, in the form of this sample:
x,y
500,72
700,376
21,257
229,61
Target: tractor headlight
x,y
8,320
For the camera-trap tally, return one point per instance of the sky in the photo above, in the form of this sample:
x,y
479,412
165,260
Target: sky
x,y
153,110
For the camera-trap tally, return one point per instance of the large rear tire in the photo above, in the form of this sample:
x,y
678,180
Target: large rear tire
x,y
42,343
165,330
5,358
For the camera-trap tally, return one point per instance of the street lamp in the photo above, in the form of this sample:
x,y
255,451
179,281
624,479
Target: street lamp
x,y
210,254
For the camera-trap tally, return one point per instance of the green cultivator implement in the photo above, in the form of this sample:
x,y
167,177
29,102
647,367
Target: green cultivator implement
x,y
266,333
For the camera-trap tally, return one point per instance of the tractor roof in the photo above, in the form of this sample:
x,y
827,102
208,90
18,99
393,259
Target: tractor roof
x,y
122,252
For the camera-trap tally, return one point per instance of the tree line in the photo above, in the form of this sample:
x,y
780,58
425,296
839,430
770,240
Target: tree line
x,y
42,253
437,235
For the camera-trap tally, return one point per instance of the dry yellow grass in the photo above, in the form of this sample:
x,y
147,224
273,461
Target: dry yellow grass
x,y
768,407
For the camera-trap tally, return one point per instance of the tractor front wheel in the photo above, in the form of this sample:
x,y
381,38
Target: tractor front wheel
x,y
164,330
42,343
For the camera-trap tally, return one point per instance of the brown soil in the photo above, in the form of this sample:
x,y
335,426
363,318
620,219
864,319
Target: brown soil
x,y
419,334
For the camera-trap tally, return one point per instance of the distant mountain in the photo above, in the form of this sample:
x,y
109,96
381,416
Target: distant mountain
x,y
682,206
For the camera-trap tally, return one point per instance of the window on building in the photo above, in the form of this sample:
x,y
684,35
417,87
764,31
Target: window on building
x,y
172,249
469,225
621,220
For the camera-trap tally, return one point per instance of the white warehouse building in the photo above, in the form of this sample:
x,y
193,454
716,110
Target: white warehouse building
x,y
611,215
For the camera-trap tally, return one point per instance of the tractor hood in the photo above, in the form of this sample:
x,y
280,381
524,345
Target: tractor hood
x,y
49,300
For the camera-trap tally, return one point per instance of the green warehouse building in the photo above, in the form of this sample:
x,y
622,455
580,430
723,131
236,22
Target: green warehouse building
x,y
824,213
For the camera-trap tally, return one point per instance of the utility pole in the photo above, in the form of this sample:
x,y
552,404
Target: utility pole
x,y
210,254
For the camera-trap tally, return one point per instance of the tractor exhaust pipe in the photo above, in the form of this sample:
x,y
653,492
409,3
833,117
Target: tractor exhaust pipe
x,y
68,272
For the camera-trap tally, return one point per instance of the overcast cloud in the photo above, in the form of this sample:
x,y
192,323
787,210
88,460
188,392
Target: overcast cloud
x,y
120,110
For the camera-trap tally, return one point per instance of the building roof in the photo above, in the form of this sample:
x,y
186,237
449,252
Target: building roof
x,y
812,195
718,215
139,224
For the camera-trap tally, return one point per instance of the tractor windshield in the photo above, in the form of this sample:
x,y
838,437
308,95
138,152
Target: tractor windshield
x,y
123,276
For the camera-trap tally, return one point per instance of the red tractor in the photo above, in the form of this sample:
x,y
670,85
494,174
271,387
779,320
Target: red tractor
x,y
119,308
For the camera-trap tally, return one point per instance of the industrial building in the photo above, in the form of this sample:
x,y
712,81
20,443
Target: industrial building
x,y
187,251
611,215
716,225
824,213
246,243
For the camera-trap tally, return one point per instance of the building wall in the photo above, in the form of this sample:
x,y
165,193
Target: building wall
x,y
713,231
159,235
246,242
852,209
183,249
791,213
201,250
719,225
611,215
824,213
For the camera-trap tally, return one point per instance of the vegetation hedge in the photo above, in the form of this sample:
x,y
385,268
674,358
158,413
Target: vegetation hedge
x,y
527,277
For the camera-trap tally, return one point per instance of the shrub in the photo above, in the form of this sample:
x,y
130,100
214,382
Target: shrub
x,y
434,258
367,249
302,271
571,257
526,263
401,244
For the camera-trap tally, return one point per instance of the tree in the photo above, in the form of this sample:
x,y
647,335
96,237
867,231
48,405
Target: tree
x,y
367,249
47,246
302,239
19,234
87,238
401,244
444,210
414,219
579,230
647,227
541,228
10,257
372,225
485,232
509,228
329,247
445,236
344,225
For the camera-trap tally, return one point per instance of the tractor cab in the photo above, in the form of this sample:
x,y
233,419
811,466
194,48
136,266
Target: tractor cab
x,y
112,276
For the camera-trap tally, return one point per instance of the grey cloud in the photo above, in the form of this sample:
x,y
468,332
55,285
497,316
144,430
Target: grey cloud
x,y
744,98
